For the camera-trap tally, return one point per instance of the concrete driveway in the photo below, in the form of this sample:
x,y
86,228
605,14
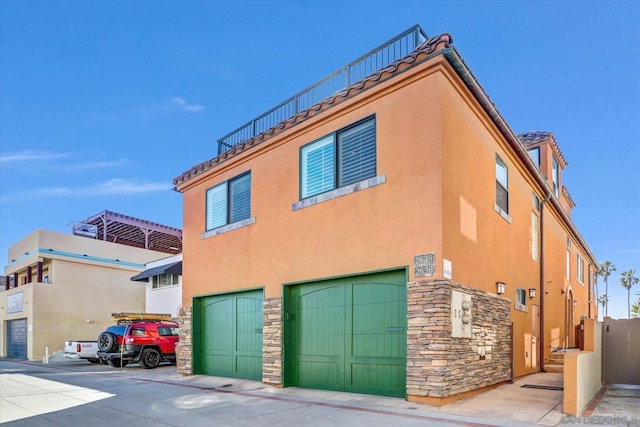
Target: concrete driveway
x,y
56,394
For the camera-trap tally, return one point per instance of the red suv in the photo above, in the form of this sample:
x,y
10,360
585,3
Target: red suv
x,y
144,338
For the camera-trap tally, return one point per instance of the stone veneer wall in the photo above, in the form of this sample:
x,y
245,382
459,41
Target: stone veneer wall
x,y
272,342
185,347
441,366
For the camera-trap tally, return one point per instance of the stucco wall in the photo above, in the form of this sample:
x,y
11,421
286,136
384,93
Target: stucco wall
x,y
583,371
376,228
163,300
87,281
25,313
436,152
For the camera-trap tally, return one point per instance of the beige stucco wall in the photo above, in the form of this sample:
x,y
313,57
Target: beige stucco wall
x,y
583,371
82,291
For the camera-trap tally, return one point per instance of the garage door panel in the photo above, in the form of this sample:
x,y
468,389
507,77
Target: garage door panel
x,y
320,305
17,338
249,324
379,318
246,366
350,334
217,323
371,378
323,375
231,335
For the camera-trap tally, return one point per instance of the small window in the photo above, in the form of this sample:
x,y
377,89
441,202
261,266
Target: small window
x,y
580,269
536,202
555,172
534,153
568,275
229,202
535,233
521,299
502,185
569,242
164,280
339,159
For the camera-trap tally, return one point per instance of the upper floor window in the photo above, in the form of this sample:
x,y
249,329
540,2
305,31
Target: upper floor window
x,y
162,280
229,202
580,269
536,202
339,159
555,172
502,185
568,275
534,153
521,299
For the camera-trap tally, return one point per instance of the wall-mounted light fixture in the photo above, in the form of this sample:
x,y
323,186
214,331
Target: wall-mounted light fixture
x,y
500,287
562,291
575,302
532,293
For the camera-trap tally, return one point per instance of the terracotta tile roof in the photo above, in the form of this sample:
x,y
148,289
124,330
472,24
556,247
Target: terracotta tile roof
x,y
536,137
533,137
420,54
566,194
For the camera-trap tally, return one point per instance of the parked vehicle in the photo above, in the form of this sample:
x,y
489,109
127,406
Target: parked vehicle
x,y
81,350
146,338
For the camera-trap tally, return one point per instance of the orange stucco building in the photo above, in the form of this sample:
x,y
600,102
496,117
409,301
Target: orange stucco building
x,y
314,248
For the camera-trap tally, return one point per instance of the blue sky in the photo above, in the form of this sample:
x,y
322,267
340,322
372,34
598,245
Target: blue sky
x,y
103,103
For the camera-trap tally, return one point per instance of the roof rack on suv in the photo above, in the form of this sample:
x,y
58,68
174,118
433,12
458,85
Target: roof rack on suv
x,y
140,317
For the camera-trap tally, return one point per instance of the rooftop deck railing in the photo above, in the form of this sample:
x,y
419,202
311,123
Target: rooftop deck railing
x,y
369,63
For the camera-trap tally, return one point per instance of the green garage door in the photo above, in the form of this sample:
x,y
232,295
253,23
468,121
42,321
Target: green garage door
x,y
228,333
349,334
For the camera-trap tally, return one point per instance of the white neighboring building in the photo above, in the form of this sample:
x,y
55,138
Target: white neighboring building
x,y
163,285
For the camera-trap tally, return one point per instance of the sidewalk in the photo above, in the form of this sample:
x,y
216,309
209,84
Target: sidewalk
x,y
510,404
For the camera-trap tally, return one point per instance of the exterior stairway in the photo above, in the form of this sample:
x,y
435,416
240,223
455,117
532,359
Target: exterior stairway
x,y
556,361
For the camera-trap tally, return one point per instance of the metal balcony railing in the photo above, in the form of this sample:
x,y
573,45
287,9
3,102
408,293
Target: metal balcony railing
x,y
369,63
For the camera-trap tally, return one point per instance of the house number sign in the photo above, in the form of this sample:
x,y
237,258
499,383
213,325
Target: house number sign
x,y
424,265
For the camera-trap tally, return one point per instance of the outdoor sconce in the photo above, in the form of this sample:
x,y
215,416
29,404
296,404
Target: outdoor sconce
x,y
532,293
575,302
500,287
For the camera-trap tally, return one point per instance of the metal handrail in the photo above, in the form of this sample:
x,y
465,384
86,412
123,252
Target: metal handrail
x,y
369,63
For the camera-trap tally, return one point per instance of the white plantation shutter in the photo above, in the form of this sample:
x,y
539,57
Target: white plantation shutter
x,y
217,206
318,167
240,195
357,153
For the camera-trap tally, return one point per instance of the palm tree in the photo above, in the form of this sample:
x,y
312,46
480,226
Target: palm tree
x,y
628,279
603,300
604,270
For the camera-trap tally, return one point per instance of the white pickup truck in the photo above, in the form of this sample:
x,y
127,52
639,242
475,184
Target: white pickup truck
x,y
81,350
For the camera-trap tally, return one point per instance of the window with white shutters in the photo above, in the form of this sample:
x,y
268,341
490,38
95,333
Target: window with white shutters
x,y
344,157
229,202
